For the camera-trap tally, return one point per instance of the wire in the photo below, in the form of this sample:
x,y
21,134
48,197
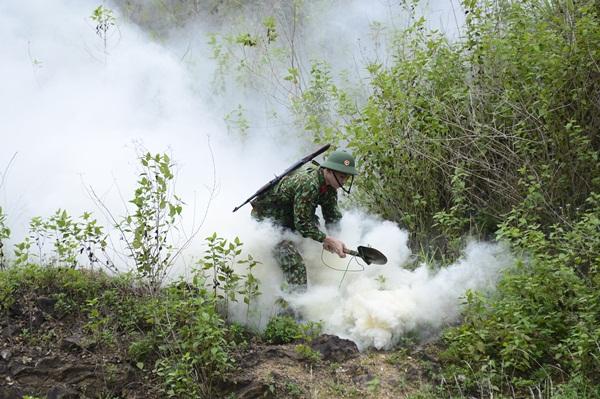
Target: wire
x,y
346,270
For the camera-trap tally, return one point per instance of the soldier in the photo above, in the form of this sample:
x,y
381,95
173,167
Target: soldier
x,y
292,204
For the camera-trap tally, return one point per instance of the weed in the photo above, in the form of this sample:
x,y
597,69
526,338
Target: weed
x,y
4,235
282,330
374,385
220,259
70,238
99,324
340,390
307,353
293,390
105,21
147,231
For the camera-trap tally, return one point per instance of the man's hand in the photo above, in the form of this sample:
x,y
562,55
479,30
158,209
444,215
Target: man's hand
x,y
335,246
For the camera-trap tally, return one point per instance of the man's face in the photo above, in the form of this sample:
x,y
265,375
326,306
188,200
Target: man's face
x,y
335,179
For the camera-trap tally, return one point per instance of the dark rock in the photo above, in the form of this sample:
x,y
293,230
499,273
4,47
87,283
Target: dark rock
x,y
16,368
15,310
10,393
37,318
77,342
62,392
334,348
284,354
46,304
75,374
71,344
362,378
256,389
49,363
11,330
30,377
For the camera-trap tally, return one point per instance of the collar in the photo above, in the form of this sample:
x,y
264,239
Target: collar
x,y
323,187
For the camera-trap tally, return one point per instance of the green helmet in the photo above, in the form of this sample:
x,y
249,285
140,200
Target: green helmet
x,y
340,161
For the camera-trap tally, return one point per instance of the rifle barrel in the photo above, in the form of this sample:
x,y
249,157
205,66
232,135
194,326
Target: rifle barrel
x,y
289,170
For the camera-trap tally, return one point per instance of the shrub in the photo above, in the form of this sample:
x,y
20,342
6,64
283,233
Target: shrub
x,y
220,260
147,231
542,324
282,330
455,133
71,239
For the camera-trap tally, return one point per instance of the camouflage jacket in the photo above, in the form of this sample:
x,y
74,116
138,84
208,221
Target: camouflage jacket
x,y
293,201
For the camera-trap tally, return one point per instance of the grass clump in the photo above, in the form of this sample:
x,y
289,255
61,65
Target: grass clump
x,y
282,330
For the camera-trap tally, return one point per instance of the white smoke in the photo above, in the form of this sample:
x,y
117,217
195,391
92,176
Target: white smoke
x,y
71,111
376,306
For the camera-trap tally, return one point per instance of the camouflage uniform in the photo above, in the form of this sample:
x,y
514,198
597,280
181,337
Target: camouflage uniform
x,y
292,204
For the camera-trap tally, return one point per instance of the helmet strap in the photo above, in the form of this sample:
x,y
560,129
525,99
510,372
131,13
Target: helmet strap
x,y
341,185
349,188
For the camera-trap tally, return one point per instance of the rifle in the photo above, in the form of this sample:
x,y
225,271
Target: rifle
x,y
286,172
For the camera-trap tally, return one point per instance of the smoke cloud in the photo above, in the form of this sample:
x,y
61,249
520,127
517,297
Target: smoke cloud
x,y
375,305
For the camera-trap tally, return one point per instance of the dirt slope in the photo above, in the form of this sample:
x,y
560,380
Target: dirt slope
x,y
45,355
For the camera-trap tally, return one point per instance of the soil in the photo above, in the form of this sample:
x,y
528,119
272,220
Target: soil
x,y
46,355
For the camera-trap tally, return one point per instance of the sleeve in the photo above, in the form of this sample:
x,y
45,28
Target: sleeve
x,y
330,209
305,205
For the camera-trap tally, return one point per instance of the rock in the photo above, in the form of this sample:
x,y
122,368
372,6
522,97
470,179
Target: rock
x,y
11,330
49,363
15,310
76,374
10,393
72,343
15,368
5,354
30,377
62,392
46,304
26,359
37,318
334,348
77,342
362,378
280,352
255,389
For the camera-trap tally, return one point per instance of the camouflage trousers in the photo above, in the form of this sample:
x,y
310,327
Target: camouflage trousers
x,y
292,265
285,252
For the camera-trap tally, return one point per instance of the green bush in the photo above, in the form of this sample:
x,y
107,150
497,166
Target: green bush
x,y
455,133
141,349
70,287
219,261
543,322
148,229
282,330
70,238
